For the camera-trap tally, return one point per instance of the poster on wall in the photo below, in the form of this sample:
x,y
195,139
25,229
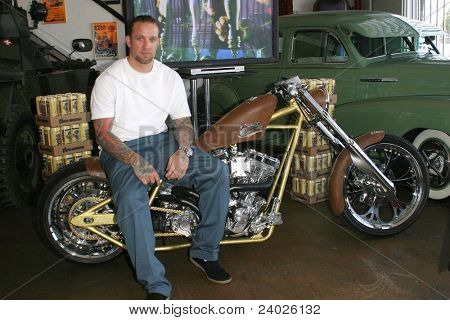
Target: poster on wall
x,y
105,40
56,11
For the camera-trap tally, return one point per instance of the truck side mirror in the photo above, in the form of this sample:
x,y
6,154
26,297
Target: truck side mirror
x,y
82,45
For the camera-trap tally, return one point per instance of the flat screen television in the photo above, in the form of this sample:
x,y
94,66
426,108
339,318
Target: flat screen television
x,y
205,33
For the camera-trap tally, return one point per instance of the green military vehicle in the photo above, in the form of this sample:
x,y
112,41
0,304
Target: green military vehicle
x,y
382,81
29,67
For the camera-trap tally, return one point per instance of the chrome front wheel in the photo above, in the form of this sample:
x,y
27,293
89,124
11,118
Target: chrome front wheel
x,y
367,207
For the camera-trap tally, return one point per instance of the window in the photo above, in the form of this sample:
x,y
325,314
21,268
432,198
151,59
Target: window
x,y
317,47
376,47
335,51
434,12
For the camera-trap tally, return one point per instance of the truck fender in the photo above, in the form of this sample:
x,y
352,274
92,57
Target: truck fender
x,y
336,185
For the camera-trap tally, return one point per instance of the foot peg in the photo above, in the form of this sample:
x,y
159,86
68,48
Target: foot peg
x,y
274,218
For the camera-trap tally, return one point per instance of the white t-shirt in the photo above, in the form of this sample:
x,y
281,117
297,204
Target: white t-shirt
x,y
138,102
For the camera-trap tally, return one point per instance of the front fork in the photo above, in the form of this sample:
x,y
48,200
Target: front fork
x,y
359,157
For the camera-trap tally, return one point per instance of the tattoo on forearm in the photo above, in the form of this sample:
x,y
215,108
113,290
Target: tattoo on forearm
x,y
113,145
183,131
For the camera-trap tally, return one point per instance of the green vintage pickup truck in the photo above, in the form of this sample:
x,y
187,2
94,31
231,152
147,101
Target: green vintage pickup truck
x,y
382,81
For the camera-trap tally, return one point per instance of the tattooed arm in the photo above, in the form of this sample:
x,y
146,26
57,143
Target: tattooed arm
x,y
179,161
119,150
183,131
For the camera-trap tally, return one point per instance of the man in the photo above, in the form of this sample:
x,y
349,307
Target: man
x,y
130,103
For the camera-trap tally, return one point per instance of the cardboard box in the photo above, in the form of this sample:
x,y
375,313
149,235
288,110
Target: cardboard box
x,y
313,150
65,120
66,149
308,200
333,99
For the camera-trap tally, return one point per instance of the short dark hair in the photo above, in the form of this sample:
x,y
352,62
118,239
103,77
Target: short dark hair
x,y
143,18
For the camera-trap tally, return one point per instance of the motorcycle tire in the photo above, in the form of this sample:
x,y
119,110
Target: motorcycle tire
x,y
371,212
69,192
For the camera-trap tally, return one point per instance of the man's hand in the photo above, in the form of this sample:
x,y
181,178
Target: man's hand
x,y
119,150
145,172
177,165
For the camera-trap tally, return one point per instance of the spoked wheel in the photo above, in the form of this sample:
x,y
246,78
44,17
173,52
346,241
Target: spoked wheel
x,y
70,192
367,208
435,148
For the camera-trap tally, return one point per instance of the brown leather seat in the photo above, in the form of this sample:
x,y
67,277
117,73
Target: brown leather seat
x,y
94,167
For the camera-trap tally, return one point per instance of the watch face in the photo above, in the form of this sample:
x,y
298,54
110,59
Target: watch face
x,y
189,151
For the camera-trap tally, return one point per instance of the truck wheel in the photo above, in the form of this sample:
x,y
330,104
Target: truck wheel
x,y
19,159
434,146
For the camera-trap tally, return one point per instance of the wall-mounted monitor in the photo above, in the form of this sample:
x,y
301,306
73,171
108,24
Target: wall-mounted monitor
x,y
202,33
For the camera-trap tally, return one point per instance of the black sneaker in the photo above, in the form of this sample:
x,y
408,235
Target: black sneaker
x,y
156,296
214,272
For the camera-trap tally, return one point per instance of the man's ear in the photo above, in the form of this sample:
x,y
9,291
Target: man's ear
x,y
128,41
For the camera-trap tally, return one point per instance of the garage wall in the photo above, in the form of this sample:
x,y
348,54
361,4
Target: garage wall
x,y
388,6
303,5
79,14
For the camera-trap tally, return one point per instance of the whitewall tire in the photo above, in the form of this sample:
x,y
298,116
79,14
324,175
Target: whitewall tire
x,y
434,146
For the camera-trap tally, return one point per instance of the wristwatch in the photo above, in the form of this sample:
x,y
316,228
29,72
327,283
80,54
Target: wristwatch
x,y
188,150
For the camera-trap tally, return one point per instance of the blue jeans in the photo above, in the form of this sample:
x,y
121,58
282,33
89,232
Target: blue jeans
x,y
210,178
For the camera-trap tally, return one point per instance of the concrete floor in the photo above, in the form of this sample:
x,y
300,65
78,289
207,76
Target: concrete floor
x,y
311,256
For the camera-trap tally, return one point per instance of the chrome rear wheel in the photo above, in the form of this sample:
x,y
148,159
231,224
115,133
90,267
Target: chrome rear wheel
x,y
71,192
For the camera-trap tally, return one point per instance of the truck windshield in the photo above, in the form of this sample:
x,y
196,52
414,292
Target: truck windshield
x,y
9,53
376,47
51,53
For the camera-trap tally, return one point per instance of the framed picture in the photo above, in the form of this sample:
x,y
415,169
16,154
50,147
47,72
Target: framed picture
x,y
56,11
105,40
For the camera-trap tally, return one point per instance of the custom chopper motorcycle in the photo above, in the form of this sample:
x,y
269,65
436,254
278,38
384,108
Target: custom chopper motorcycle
x,y
379,183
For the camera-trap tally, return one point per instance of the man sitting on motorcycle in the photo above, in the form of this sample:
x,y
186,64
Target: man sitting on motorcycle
x,y
130,104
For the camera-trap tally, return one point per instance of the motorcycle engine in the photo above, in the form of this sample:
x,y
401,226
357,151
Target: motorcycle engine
x,y
247,168
170,215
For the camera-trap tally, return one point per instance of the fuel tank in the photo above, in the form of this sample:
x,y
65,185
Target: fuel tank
x,y
247,122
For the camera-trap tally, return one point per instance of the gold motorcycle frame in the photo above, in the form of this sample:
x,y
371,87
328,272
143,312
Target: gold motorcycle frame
x,y
90,219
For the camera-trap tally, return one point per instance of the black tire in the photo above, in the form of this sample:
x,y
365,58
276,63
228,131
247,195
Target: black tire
x,y
368,210
70,191
20,177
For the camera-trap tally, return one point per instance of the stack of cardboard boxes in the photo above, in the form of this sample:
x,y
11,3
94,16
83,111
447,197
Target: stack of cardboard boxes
x,y
63,123
313,157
